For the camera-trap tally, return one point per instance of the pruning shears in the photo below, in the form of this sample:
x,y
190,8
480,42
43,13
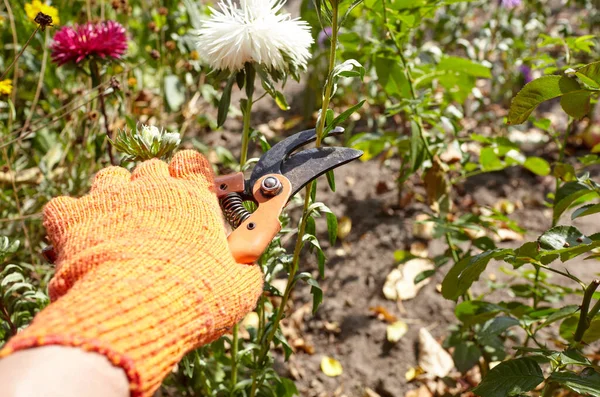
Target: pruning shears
x,y
279,174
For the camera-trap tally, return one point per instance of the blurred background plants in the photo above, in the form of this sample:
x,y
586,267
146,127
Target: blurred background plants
x,y
432,103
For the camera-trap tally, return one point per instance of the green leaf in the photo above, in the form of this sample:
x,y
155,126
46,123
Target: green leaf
x,y
466,66
567,194
590,74
560,237
286,388
417,147
586,210
537,165
281,101
576,104
332,227
511,378
562,313
317,293
331,180
489,160
473,312
462,275
569,325
587,382
497,326
466,355
174,92
343,117
392,78
536,92
225,101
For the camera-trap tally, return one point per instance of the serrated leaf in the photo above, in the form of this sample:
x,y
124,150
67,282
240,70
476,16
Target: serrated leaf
x,y
569,326
536,92
466,66
511,378
587,382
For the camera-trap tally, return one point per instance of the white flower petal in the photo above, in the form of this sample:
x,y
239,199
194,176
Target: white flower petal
x,y
254,32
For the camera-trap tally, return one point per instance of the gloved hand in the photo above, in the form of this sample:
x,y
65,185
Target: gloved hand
x,y
144,273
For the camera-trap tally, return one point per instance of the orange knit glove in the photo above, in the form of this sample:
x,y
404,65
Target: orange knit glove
x,y
144,273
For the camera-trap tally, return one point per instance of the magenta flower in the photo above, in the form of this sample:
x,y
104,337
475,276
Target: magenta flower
x,y
102,40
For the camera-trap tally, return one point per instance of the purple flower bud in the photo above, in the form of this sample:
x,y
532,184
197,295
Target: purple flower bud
x,y
324,36
510,3
526,73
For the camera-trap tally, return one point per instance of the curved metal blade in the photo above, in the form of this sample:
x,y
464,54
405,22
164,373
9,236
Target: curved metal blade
x,y
271,161
309,164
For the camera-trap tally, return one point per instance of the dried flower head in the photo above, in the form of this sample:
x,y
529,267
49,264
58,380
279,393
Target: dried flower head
x,y
254,32
102,40
43,20
36,6
5,87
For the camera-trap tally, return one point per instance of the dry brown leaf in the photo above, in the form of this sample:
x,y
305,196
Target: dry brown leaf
x,y
370,393
382,312
507,235
400,285
433,359
419,249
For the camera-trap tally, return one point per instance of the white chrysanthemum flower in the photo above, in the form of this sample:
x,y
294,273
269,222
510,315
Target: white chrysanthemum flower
x,y
149,133
254,32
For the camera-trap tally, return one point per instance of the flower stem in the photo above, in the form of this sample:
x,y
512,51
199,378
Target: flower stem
x,y
329,82
234,352
249,84
19,54
40,83
561,157
96,81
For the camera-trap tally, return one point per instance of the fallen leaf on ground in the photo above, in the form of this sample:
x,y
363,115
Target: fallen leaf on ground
x,y
421,228
383,314
419,249
331,367
412,373
400,285
344,227
507,235
422,391
396,331
370,393
433,359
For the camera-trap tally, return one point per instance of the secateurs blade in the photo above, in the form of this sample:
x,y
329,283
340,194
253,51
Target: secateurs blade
x,y
279,174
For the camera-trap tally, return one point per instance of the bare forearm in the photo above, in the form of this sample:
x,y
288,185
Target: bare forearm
x,y
59,371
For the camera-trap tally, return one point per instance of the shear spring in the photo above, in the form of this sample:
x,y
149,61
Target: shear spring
x,y
234,210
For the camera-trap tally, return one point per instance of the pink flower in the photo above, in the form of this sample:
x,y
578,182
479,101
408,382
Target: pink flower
x,y
74,44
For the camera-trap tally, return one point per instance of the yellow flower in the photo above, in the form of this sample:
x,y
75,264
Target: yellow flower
x,y
6,87
36,6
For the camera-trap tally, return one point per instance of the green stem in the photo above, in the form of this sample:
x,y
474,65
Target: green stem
x,y
561,157
451,247
234,352
549,389
593,311
19,54
250,76
536,283
97,81
584,324
413,93
288,290
329,82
